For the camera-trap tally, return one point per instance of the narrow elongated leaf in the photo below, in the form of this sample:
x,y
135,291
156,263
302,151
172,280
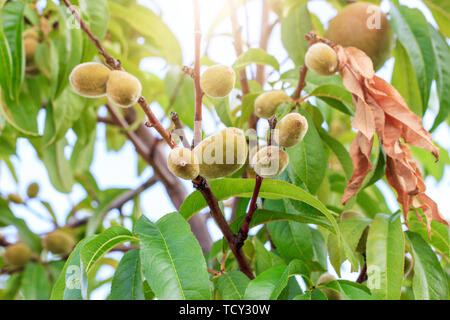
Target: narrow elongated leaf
x,y
270,189
127,283
430,281
293,240
72,282
413,32
7,218
12,21
339,150
385,256
269,284
405,81
232,285
152,28
35,282
95,249
293,29
172,260
58,167
441,13
442,55
335,96
257,56
308,158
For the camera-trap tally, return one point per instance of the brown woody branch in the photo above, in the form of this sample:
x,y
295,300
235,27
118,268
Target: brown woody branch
x,y
243,232
120,201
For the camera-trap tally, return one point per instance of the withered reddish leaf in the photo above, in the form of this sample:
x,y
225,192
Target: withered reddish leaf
x,y
360,151
381,109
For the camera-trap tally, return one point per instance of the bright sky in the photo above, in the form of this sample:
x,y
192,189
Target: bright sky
x,y
118,169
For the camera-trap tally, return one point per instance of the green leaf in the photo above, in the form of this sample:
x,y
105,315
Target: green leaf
x,y
352,230
413,32
35,282
308,159
430,281
180,93
405,81
58,167
248,106
21,115
12,21
93,250
96,14
441,13
258,56
270,189
5,59
152,28
385,252
223,111
339,150
127,283
7,218
72,282
232,285
293,29
335,96
350,290
442,55
269,284
293,240
172,260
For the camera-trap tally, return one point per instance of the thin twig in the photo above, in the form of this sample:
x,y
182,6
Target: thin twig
x,y
272,124
243,232
202,185
120,201
198,89
179,129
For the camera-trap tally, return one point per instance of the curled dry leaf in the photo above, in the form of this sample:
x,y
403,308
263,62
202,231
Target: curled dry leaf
x,y
380,109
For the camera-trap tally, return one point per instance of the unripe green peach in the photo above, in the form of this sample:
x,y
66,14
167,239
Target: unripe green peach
x,y
322,59
123,89
364,26
17,255
329,293
89,79
291,129
182,163
58,242
222,153
14,197
33,190
267,103
218,81
270,161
